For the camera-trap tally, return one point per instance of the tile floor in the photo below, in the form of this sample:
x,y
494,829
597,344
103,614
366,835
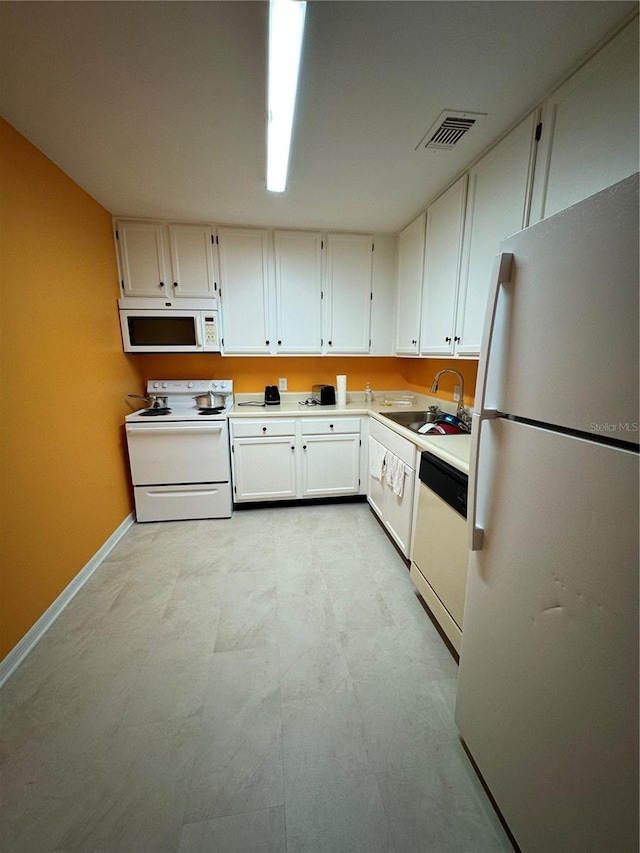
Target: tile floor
x,y
265,683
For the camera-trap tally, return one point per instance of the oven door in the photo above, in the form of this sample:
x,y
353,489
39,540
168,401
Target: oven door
x,y
175,452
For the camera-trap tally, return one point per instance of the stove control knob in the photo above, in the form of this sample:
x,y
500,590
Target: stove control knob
x,y
189,384
165,384
214,385
156,384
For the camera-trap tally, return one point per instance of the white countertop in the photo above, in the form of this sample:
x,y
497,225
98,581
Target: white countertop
x,y
454,449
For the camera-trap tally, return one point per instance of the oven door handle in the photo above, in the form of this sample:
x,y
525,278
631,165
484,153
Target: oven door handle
x,y
175,428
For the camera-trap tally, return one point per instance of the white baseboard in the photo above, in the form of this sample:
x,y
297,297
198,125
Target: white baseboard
x,y
15,657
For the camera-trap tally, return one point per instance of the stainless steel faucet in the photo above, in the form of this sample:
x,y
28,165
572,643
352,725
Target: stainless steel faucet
x,y
461,411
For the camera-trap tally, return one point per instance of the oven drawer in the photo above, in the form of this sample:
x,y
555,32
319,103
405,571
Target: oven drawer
x,y
177,503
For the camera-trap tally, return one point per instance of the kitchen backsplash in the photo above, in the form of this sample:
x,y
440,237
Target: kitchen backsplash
x,y
252,374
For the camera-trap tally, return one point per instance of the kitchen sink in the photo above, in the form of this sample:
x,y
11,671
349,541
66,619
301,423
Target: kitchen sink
x,y
410,420
416,421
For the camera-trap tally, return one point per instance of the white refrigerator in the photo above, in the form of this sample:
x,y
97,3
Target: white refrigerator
x,y
547,702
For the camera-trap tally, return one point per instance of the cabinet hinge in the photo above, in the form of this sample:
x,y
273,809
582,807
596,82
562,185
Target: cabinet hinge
x,y
322,244
233,450
321,342
322,294
539,132
373,247
220,293
360,442
221,341
213,239
122,284
371,295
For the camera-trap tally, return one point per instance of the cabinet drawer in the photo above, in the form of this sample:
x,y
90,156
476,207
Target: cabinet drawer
x,y
397,444
329,426
254,428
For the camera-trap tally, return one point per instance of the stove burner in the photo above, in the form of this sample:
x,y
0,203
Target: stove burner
x,y
154,413
213,411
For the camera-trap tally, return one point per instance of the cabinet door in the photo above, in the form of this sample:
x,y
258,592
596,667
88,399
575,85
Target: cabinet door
x,y
443,249
142,259
348,291
409,297
298,259
244,284
192,262
264,468
375,487
398,511
330,465
497,206
590,129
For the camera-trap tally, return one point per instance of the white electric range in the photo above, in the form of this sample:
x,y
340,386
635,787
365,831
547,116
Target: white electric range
x,y
179,453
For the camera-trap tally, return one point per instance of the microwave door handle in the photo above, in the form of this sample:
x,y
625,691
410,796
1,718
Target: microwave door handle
x,y
199,322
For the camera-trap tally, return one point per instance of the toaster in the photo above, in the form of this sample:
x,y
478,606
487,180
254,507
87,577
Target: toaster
x,y
325,395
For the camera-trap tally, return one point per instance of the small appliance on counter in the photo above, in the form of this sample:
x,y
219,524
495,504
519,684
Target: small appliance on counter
x,y
271,395
324,395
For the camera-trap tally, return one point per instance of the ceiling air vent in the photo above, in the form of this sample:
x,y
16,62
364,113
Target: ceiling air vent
x,y
448,130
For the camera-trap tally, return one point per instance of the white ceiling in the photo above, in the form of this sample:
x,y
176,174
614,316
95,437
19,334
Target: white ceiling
x,y
157,109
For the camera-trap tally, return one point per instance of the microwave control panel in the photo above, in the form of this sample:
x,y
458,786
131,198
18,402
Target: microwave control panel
x,y
210,331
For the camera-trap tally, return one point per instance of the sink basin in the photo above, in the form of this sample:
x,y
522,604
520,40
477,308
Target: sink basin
x,y
411,420
416,421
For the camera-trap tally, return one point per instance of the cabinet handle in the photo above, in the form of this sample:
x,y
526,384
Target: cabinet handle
x,y
330,426
414,342
330,343
279,343
161,284
448,340
457,339
292,447
175,284
264,429
267,343
304,446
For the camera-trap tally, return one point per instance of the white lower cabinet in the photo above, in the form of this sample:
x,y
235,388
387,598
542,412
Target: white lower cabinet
x,y
278,459
394,511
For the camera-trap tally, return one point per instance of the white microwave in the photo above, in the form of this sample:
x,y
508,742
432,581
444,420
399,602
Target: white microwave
x,y
169,330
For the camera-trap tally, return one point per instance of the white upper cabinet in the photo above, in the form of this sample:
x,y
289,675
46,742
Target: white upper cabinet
x,y
298,276
497,206
142,251
409,295
166,261
192,261
443,248
348,293
245,295
589,128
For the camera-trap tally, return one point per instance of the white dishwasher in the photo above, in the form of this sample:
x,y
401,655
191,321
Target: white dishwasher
x,y
440,556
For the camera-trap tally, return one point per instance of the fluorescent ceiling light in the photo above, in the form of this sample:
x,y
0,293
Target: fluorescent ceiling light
x,y
286,27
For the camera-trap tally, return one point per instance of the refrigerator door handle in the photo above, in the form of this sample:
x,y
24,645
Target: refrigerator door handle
x,y
501,274
475,533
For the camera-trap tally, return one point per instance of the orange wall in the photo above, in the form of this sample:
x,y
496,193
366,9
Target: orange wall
x,y
64,380
252,374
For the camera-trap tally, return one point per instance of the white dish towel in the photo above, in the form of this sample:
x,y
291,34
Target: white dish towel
x,y
395,473
377,455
